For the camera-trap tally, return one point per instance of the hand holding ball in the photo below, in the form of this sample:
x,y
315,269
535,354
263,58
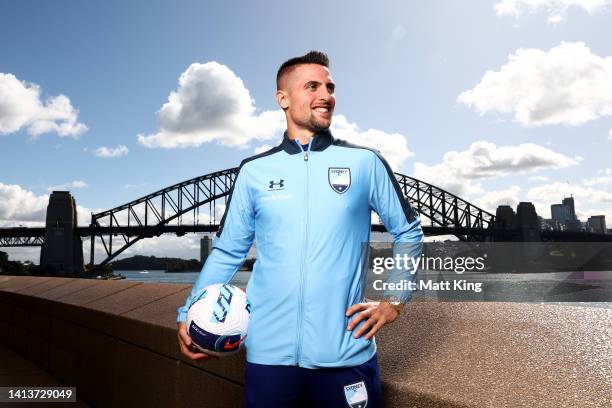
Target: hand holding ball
x,y
218,319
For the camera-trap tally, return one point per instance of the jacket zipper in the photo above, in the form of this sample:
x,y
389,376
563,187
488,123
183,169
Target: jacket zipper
x,y
303,262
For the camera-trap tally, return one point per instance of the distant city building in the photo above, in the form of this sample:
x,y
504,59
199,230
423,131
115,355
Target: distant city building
x,y
505,218
560,213
597,224
569,201
205,248
549,225
575,225
527,221
565,215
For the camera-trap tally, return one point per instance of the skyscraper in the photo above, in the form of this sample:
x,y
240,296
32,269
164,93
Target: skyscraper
x,y
560,213
565,214
597,224
569,201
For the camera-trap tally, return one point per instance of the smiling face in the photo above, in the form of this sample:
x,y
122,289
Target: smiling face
x,y
306,94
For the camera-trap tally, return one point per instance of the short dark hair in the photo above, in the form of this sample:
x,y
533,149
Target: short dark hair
x,y
313,57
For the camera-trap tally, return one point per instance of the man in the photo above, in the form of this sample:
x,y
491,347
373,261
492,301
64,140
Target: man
x,y
307,203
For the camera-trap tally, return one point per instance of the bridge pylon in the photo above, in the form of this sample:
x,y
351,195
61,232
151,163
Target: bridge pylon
x,y
62,251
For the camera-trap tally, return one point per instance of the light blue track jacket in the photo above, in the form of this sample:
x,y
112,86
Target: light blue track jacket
x,y
310,215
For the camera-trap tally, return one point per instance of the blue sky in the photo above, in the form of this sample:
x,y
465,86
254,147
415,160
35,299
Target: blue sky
x,y
400,68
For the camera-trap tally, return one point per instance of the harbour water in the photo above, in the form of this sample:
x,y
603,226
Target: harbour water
x,y
240,279
568,288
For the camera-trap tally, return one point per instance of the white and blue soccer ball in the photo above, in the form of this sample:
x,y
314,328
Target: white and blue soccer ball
x,y
218,319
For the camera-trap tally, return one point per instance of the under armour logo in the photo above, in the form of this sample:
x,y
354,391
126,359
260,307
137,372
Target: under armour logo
x,y
277,185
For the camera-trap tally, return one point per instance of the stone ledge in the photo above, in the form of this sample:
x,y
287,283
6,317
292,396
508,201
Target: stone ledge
x,y
435,355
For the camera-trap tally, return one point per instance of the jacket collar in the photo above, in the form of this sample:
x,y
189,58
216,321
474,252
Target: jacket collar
x,y
320,142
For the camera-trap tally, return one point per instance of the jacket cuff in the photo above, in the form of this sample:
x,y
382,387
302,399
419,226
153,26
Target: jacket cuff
x,y
182,315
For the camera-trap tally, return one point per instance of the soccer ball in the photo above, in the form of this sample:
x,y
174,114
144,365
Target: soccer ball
x,y
218,319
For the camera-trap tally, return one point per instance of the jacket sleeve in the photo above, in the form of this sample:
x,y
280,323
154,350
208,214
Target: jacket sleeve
x,y
401,220
230,246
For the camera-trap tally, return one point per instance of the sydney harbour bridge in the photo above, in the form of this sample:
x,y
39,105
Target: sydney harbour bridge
x,y
195,205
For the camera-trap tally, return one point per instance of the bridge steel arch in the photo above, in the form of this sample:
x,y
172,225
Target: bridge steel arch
x,y
162,208
442,208
152,214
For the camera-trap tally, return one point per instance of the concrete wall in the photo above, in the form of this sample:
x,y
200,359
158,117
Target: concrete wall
x,y
116,342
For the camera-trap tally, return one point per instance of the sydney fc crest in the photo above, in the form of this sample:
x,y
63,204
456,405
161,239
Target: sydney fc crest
x,y
339,179
356,395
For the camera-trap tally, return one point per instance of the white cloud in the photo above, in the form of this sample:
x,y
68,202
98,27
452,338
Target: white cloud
x,y
111,152
585,197
166,245
567,85
492,199
443,176
393,146
262,148
584,215
169,245
84,214
459,172
610,134
604,176
485,159
18,206
79,184
21,207
21,107
68,186
23,254
211,104
556,9
186,247
538,178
